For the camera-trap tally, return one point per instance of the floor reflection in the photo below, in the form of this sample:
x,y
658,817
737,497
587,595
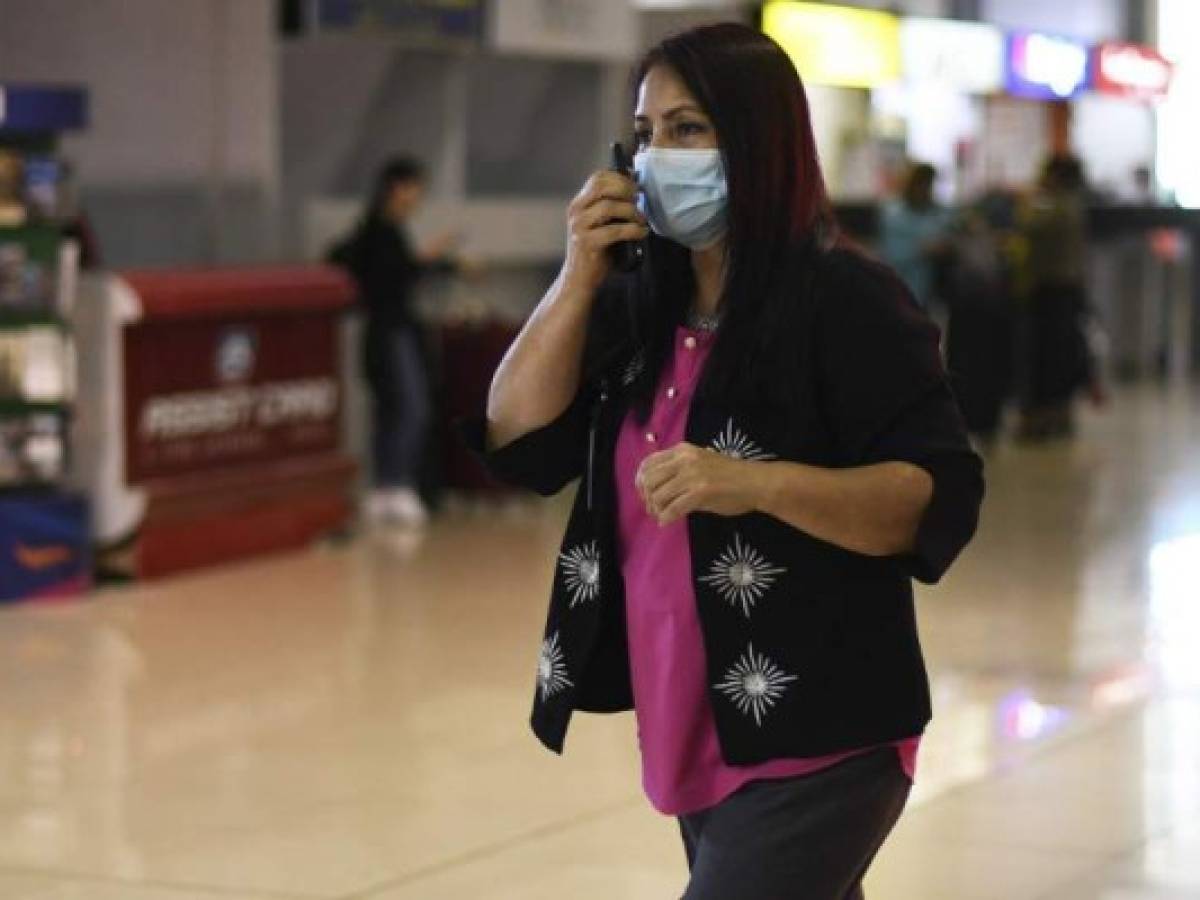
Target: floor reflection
x,y
350,721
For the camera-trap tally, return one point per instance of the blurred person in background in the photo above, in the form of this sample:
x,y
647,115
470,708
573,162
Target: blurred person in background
x,y
913,232
387,267
981,333
768,452
1143,192
1058,359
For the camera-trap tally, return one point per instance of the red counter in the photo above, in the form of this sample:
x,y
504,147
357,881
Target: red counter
x,y
230,406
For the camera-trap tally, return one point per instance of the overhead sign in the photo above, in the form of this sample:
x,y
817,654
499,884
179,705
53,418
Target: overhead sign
x,y
1046,66
967,56
430,21
582,29
1131,70
836,45
39,108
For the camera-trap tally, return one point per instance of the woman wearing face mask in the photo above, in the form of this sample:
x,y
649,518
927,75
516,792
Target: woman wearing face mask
x,y
768,453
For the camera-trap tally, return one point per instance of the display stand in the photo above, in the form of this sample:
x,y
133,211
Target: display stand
x,y
44,544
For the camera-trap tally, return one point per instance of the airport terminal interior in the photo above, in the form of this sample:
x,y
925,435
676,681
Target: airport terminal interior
x,y
238,662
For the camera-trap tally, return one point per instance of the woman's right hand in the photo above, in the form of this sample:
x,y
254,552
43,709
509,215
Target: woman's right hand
x,y
603,213
540,374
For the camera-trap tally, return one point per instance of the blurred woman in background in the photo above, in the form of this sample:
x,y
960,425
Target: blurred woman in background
x,y
381,257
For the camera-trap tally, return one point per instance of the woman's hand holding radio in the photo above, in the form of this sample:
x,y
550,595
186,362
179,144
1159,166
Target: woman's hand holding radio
x,y
540,374
603,213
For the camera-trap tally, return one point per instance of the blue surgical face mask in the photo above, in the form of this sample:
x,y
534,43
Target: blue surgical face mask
x,y
684,195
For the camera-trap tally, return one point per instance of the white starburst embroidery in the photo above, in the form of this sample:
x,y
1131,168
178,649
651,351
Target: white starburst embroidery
x,y
736,444
633,369
754,684
581,569
741,575
552,669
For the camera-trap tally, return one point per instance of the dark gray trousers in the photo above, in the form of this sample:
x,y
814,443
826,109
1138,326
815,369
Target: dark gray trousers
x,y
806,838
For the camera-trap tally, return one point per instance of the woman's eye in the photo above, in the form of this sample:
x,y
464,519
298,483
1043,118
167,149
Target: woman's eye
x,y
690,129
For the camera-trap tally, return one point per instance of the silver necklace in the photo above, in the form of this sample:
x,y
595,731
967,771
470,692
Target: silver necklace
x,y
701,322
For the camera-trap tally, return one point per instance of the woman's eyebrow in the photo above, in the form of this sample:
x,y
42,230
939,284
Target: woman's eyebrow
x,y
674,111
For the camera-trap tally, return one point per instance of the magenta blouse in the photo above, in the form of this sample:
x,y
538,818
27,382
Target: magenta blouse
x,y
682,768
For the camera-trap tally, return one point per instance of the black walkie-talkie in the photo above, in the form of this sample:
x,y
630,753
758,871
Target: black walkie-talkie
x,y
626,255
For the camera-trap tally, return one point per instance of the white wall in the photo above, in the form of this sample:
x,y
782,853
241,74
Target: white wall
x,y
1112,136
1178,128
183,101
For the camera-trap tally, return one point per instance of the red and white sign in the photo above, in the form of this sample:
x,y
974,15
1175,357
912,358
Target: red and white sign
x,y
206,395
1131,70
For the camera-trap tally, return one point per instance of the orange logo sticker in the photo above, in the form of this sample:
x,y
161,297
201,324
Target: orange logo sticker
x,y
40,558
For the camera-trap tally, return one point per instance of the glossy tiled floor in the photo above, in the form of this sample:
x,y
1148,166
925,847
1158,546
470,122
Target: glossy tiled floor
x,y
350,722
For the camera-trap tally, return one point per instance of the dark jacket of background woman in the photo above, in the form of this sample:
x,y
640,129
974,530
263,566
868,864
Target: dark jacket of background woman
x,y
384,263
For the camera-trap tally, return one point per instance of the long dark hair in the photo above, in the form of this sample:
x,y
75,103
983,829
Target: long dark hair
x,y
397,170
352,251
779,214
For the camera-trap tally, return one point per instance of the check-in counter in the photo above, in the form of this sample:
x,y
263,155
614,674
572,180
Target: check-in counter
x,y
209,414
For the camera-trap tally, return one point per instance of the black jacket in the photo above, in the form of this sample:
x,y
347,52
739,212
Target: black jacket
x,y
827,657
381,259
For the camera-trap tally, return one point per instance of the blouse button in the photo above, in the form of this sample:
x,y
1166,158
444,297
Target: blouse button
x,y
671,392
690,342
651,437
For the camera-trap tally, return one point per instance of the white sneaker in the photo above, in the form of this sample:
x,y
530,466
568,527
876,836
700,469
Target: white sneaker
x,y
404,507
377,506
